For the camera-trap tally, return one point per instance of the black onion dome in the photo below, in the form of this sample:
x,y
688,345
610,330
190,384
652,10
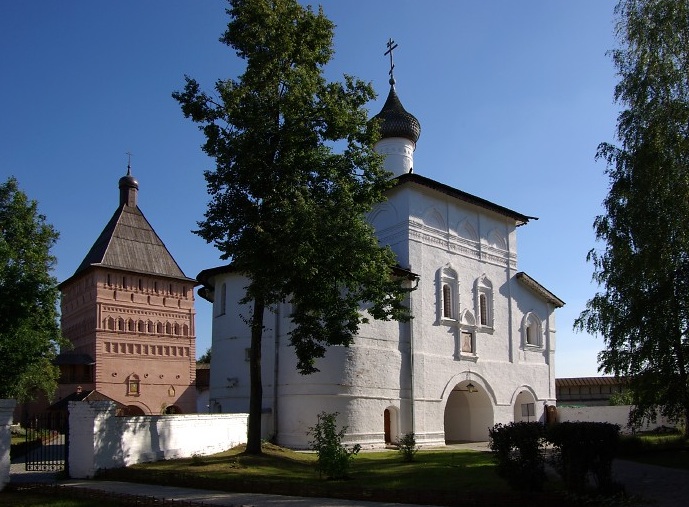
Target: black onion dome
x,y
396,121
128,181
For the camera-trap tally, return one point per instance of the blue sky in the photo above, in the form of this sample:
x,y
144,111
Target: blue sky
x,y
513,99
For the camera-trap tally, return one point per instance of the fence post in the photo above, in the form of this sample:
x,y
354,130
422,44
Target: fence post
x,y
6,413
85,421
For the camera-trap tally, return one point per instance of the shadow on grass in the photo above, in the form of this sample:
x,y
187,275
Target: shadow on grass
x,y
434,477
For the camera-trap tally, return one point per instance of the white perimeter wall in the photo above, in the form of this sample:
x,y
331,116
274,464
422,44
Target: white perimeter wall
x,y
6,411
618,414
100,440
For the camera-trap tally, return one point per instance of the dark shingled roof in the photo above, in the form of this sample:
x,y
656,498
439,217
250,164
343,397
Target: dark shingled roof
x,y
396,121
129,243
83,396
66,358
589,381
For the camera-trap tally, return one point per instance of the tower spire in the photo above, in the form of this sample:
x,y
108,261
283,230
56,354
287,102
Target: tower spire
x,y
129,187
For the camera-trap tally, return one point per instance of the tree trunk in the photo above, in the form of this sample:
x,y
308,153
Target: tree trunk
x,y
253,444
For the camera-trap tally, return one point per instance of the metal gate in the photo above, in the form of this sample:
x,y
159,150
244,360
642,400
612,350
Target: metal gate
x,y
47,442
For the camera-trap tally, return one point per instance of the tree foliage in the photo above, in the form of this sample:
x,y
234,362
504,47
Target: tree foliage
x,y
295,175
29,331
642,310
206,357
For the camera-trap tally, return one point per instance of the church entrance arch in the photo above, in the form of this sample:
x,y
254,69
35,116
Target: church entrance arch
x,y
525,407
391,425
468,414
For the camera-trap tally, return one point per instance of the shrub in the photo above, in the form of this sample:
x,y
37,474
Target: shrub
x,y
408,447
333,457
519,449
583,449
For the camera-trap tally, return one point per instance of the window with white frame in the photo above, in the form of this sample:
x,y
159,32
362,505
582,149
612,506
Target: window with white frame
x,y
448,295
531,331
484,301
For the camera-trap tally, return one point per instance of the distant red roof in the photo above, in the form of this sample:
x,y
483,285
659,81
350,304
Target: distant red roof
x,y
589,381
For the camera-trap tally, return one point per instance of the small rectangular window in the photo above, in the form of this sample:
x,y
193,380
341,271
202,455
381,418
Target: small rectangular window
x,y
528,410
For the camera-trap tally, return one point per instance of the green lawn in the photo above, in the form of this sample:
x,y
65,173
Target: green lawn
x,y
438,477
662,450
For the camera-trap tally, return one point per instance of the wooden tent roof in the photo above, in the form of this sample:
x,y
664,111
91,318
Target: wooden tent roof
x,y
129,243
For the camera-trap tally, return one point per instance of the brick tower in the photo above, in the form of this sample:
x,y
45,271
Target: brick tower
x,y
128,310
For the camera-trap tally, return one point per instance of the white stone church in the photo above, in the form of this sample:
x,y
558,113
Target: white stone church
x,y
479,351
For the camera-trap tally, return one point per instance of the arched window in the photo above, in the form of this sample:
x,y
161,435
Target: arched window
x,y
168,328
447,301
531,331
176,329
484,302
448,295
159,328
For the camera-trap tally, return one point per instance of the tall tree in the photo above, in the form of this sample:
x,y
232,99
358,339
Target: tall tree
x,y
287,207
29,331
642,311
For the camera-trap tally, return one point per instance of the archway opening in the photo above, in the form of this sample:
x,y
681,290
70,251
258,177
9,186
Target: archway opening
x,y
133,410
525,407
172,409
468,414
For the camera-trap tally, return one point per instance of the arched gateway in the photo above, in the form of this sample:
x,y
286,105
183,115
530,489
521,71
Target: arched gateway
x,y
468,413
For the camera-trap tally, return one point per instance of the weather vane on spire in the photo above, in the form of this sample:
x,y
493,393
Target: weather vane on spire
x,y
129,163
391,46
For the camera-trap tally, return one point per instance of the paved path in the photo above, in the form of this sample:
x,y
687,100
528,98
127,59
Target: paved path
x,y
223,498
661,486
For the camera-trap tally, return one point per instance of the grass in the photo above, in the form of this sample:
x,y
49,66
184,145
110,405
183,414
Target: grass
x,y
662,450
436,477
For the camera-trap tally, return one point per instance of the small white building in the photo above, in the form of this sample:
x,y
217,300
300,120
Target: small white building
x,y
479,351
